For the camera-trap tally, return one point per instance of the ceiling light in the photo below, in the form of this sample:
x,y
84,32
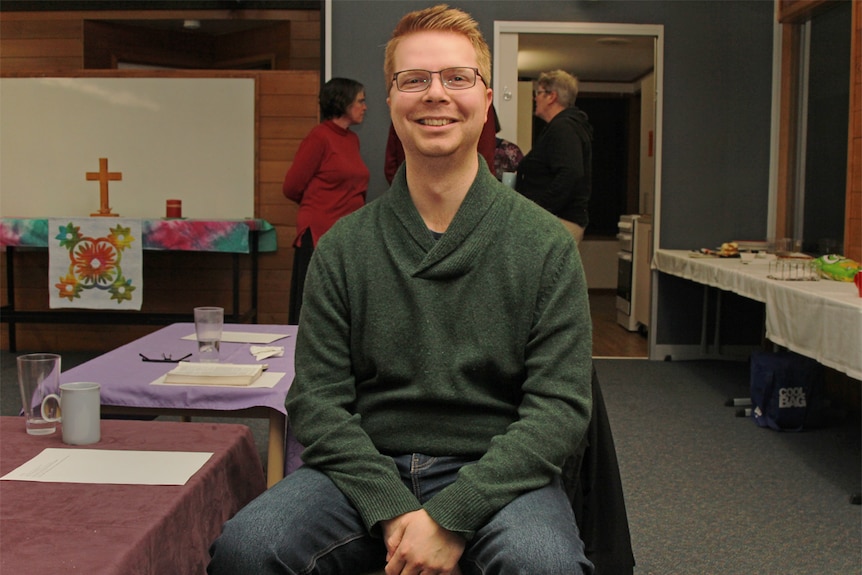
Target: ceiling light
x,y
613,41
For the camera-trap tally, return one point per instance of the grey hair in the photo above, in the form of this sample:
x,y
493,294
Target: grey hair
x,y
561,82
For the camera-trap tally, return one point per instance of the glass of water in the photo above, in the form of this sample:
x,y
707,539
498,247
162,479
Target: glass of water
x,y
208,327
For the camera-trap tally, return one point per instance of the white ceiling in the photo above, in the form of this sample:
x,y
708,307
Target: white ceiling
x,y
590,57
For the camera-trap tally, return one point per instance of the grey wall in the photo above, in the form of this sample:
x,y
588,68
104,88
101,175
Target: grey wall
x,y
717,98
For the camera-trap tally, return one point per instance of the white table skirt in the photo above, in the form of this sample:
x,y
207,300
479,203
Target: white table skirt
x,y
819,319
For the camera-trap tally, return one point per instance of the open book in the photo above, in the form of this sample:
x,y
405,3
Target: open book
x,y
238,374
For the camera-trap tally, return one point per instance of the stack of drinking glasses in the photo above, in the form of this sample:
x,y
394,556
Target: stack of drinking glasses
x,y
793,270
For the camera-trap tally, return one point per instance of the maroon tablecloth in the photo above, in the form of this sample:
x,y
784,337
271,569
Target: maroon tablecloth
x,y
50,528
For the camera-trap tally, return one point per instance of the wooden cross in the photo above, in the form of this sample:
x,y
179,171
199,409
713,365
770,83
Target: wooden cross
x,y
104,176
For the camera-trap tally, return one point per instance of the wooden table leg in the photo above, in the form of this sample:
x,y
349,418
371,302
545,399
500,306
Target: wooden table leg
x,y
275,453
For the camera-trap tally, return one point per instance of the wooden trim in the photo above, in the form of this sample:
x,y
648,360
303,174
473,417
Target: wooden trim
x,y
799,11
853,206
788,130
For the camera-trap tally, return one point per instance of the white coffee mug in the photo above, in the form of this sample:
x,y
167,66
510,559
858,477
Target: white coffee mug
x,y
509,179
79,410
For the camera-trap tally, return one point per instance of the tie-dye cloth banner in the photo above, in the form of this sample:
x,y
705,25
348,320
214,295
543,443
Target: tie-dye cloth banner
x,y
227,236
95,263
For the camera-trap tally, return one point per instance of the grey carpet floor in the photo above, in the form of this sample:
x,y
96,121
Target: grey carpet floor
x,y
711,493
706,492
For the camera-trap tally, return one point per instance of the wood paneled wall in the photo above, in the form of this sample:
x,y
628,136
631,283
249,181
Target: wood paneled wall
x,y
51,44
56,40
287,111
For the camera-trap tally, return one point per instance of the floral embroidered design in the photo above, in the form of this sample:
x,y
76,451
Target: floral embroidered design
x,y
95,263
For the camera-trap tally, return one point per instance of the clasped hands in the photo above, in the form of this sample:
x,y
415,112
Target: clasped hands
x,y
418,545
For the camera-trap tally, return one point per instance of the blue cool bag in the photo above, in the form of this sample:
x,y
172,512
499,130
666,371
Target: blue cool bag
x,y
786,390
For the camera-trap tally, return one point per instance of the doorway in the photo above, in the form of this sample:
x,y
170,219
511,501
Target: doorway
x,y
609,59
614,63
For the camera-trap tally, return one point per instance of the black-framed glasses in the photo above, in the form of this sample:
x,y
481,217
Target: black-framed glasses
x,y
166,358
460,78
537,92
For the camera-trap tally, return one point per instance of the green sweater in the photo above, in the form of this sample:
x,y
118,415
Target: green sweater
x,y
476,344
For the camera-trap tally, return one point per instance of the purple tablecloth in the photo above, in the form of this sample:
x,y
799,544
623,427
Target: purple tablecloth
x,y
126,380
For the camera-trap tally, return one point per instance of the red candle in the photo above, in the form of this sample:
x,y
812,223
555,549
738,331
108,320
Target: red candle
x,y
174,209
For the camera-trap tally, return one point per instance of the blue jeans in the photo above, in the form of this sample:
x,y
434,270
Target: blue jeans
x,y
305,525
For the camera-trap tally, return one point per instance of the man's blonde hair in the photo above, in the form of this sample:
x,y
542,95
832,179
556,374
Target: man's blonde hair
x,y
440,18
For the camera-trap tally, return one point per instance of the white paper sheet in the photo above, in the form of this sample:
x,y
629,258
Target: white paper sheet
x,y
57,465
267,379
245,337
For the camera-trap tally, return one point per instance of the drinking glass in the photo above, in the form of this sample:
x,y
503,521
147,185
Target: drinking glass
x,y
38,376
208,328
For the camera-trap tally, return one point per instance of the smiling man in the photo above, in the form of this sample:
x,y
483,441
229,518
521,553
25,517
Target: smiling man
x,y
443,358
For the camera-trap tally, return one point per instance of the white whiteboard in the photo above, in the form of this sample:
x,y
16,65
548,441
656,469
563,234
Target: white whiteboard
x,y
186,138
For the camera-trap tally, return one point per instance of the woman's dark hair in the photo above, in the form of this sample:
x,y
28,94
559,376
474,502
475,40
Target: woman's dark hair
x,y
337,95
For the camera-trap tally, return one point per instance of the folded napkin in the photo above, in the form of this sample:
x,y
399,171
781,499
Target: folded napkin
x,y
264,351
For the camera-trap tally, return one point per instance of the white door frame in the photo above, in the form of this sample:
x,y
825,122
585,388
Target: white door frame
x,y
506,68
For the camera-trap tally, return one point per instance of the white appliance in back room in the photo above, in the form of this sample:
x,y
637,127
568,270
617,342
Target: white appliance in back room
x,y
633,271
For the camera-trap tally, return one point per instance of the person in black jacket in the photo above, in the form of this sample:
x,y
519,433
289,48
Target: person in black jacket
x,y
557,172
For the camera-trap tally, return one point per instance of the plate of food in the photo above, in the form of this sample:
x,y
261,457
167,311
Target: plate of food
x,y
727,250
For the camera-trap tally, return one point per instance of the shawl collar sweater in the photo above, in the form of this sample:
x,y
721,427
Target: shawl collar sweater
x,y
477,345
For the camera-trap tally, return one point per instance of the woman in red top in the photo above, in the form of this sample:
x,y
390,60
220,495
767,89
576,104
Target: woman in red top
x,y
328,178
